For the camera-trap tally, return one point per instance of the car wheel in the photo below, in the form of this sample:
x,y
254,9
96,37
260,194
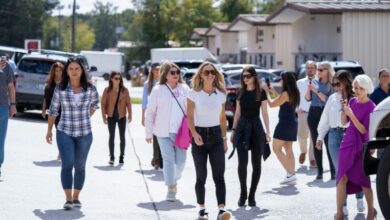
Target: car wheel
x,y
383,183
106,76
20,109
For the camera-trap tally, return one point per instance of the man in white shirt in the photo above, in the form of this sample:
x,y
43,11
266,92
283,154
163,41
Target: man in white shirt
x,y
302,111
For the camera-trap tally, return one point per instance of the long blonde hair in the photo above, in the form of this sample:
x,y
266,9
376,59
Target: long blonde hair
x,y
164,70
197,82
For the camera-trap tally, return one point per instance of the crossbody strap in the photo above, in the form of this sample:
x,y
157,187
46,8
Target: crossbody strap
x,y
176,100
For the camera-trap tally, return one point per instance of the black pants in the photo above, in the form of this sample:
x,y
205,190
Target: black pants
x,y
313,119
112,121
157,158
242,168
213,148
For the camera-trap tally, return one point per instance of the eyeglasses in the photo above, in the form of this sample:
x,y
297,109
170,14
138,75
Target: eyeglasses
x,y
174,72
247,76
320,69
336,84
116,78
208,72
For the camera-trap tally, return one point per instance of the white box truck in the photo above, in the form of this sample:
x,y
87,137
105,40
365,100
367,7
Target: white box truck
x,y
105,62
182,53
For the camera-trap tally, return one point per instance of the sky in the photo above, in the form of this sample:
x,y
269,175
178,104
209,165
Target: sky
x,y
87,6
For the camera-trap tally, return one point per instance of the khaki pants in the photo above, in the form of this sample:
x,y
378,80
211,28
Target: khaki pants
x,y
304,135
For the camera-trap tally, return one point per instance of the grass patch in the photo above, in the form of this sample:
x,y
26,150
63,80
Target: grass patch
x,y
136,100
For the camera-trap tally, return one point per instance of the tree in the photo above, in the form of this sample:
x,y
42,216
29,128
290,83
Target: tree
x,y
22,19
104,25
85,37
230,9
271,6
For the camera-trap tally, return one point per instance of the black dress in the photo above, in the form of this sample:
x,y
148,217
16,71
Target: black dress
x,y
287,127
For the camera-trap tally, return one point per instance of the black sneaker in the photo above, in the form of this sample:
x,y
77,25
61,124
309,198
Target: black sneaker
x,y
77,203
111,162
224,215
121,161
203,215
68,205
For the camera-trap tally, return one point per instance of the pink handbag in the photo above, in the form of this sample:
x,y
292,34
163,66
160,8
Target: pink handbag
x,y
183,136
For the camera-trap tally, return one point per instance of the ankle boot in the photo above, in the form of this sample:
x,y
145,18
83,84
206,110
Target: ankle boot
x,y
251,198
243,197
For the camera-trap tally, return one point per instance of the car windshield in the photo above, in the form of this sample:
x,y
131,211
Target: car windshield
x,y
354,70
35,66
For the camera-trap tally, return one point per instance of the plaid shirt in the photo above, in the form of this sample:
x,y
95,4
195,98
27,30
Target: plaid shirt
x,y
75,119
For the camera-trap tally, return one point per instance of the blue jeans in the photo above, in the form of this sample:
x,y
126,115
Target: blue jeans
x,y
334,140
174,159
4,111
73,152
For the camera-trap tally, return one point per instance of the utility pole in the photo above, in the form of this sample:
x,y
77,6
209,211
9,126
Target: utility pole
x,y
74,26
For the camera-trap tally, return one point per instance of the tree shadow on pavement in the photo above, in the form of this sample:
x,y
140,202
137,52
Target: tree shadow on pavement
x,y
360,216
154,175
322,184
49,163
248,214
109,168
165,205
289,190
307,170
58,214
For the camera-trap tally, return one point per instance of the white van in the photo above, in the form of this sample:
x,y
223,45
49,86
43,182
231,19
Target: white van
x,y
183,53
105,62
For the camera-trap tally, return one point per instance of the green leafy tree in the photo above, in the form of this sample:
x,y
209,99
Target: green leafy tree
x,y
271,6
22,19
230,9
85,37
104,24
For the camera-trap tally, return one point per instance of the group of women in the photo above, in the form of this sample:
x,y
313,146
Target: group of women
x,y
168,101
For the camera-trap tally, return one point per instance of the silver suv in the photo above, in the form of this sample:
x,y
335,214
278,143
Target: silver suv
x,y
32,73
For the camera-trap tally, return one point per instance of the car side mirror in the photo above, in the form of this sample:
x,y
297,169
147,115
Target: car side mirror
x,y
93,69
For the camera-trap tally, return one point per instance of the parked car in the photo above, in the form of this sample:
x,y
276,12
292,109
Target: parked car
x,y
32,73
354,67
380,139
15,54
235,76
229,67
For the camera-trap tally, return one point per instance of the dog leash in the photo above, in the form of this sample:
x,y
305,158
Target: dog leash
x,y
143,174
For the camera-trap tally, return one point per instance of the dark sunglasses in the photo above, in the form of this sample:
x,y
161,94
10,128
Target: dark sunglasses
x,y
247,76
321,69
208,72
116,78
174,72
336,84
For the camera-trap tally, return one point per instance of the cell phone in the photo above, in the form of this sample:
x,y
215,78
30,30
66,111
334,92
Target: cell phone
x,y
3,58
268,82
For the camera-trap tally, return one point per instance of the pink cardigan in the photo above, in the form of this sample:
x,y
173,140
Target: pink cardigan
x,y
158,110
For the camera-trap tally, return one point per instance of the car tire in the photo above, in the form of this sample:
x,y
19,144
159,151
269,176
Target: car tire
x,y
20,109
382,183
106,76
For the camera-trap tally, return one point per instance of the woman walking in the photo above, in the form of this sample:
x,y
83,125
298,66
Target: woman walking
x,y
207,122
350,176
116,109
331,122
286,129
163,117
153,77
318,93
248,133
78,100
54,78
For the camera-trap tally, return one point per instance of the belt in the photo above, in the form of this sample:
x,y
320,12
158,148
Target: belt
x,y
339,129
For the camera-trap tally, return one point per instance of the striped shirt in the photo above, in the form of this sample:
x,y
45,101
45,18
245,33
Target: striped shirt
x,y
75,119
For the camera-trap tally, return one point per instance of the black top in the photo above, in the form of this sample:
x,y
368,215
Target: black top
x,y
249,106
48,97
116,113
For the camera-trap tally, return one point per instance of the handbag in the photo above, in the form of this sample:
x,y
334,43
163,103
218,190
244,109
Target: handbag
x,y
183,136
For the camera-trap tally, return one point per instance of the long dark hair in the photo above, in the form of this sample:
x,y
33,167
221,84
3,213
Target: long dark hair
x,y
50,82
83,78
290,86
110,84
346,78
256,82
151,77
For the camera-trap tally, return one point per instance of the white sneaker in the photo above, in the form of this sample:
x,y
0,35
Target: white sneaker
x,y
345,210
360,205
171,196
290,179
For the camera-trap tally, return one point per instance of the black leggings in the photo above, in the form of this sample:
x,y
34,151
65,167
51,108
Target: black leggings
x,y
242,168
313,119
213,148
112,121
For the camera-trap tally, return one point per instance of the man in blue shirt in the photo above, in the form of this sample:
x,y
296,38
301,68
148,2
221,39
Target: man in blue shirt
x,y
381,93
383,89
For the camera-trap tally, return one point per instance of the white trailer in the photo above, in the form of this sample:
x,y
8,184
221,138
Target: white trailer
x,y
183,53
105,62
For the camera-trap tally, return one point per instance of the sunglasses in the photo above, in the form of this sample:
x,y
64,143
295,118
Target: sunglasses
x,y
208,72
116,78
247,76
174,72
321,69
336,84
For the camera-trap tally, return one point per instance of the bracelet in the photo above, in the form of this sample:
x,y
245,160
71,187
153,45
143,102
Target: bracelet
x,y
12,103
233,129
